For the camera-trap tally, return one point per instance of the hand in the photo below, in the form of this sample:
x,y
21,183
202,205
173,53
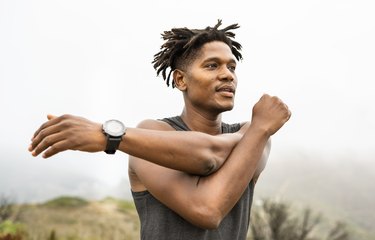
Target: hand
x,y
270,114
67,132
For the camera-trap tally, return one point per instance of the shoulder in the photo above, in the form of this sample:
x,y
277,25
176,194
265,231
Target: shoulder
x,y
155,125
244,126
244,123
235,127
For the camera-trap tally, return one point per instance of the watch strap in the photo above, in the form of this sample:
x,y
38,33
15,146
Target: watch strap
x,y
112,144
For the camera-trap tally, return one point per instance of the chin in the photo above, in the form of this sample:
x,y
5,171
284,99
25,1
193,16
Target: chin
x,y
226,108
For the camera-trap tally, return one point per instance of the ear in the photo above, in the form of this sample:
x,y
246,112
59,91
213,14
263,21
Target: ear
x,y
179,79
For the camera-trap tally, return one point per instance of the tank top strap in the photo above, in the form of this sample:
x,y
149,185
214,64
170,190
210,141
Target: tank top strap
x,y
177,123
230,128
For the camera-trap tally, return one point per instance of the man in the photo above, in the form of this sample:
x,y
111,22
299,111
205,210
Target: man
x,y
192,176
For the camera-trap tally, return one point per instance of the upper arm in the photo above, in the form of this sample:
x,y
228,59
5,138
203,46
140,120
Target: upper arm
x,y
175,189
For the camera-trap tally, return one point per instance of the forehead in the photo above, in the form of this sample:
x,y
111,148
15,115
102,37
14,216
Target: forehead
x,y
215,50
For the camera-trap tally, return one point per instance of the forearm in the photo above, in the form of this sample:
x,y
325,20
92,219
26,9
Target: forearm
x,y
224,188
191,152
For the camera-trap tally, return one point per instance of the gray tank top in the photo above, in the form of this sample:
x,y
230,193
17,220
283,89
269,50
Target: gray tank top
x,y
158,222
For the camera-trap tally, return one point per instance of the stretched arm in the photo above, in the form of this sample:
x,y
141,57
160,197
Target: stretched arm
x,y
205,201
192,152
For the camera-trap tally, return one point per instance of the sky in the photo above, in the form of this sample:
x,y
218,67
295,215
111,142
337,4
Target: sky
x,y
93,59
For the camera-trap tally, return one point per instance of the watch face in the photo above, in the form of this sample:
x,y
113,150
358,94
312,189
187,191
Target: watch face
x,y
114,128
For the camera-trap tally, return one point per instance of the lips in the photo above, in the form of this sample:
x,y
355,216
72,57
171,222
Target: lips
x,y
226,88
226,91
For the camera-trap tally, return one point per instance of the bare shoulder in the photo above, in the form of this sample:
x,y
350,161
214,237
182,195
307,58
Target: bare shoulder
x,y
245,124
244,127
155,124
135,163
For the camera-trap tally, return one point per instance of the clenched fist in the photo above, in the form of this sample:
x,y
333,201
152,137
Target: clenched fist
x,y
270,114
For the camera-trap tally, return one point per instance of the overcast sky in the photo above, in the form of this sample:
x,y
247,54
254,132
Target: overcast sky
x,y
93,59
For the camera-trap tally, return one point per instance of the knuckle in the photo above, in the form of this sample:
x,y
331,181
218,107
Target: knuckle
x,y
53,149
67,124
47,141
42,133
64,124
66,116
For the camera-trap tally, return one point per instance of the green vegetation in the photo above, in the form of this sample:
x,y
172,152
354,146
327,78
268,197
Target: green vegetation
x,y
9,230
125,206
8,227
66,202
73,218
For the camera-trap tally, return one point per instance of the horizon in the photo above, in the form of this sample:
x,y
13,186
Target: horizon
x,y
94,60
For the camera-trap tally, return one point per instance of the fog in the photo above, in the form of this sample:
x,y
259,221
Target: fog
x,y
93,59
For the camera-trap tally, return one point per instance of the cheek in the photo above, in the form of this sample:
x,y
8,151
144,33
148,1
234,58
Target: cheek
x,y
200,91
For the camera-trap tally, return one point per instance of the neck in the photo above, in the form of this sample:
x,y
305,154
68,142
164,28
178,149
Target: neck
x,y
198,121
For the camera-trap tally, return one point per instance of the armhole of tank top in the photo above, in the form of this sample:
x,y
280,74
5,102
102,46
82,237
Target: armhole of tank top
x,y
176,123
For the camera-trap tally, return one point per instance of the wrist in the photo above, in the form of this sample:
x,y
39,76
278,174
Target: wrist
x,y
113,130
101,140
260,129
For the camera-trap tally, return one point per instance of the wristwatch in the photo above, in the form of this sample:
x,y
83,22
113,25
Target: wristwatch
x,y
113,130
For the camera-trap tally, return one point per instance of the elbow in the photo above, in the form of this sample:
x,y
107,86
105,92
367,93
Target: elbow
x,y
209,166
211,163
212,160
211,224
209,219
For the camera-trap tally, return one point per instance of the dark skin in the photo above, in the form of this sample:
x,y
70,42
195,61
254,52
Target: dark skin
x,y
201,182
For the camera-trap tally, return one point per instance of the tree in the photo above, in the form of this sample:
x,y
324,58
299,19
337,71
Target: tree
x,y
276,220
6,208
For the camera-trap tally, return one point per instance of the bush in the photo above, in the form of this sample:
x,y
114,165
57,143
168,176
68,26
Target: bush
x,y
11,231
66,201
276,220
6,208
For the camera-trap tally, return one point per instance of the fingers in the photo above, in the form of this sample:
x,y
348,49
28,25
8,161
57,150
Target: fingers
x,y
66,132
45,142
51,121
44,135
270,113
47,135
55,148
50,117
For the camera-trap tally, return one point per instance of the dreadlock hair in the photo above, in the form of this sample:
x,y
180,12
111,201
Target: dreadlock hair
x,y
182,46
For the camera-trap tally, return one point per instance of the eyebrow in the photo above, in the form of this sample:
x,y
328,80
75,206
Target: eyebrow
x,y
216,59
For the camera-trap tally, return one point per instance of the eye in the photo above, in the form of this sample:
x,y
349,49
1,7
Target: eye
x,y
232,68
211,65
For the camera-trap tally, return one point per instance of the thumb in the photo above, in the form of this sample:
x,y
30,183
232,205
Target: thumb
x,y
50,116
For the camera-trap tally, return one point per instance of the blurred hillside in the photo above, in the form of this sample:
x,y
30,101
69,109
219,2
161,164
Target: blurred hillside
x,y
339,187
73,218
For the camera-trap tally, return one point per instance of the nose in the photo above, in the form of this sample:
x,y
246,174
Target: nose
x,y
226,74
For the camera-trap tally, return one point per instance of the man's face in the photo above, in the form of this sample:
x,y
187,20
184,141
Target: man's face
x,y
211,80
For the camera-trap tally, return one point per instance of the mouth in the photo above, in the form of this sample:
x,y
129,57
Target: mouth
x,y
227,90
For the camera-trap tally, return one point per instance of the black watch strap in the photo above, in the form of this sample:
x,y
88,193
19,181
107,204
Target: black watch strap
x,y
112,144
